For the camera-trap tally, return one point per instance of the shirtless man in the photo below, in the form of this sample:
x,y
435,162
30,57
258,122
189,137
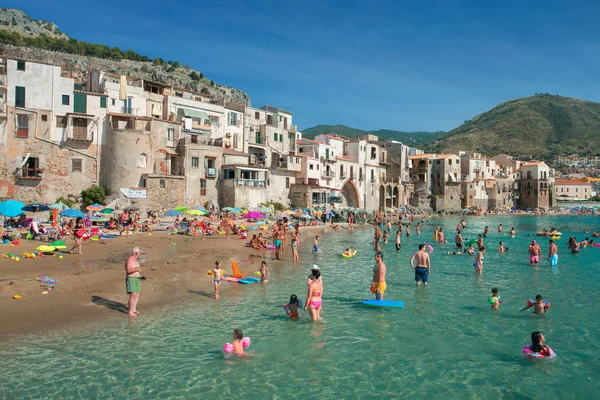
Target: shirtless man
x,y
552,253
378,285
278,236
458,240
377,238
423,267
534,253
133,279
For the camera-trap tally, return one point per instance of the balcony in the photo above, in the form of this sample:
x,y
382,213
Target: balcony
x,y
3,79
327,160
29,173
3,108
127,110
251,183
211,173
80,134
327,174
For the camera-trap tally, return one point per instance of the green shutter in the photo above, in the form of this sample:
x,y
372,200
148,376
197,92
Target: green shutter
x,y
19,96
327,154
80,103
102,102
275,136
281,137
257,137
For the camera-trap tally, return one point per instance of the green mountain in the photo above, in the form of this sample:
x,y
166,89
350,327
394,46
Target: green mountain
x,y
408,138
542,125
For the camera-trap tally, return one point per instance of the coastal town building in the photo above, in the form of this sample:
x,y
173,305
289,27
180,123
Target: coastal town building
x,y
573,189
535,183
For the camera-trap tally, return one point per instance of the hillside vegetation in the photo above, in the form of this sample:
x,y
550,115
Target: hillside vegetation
x,y
408,138
542,125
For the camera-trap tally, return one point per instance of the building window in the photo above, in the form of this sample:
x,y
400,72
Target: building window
x,y
142,160
114,102
233,118
61,122
22,125
317,167
373,153
65,99
437,162
269,120
20,65
311,167
256,115
202,187
297,160
194,139
297,195
457,161
76,165
45,118
162,184
170,134
195,162
102,102
281,137
19,96
528,174
287,183
275,136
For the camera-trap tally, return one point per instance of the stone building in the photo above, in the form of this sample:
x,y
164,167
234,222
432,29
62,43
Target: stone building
x,y
398,169
536,185
421,168
446,185
52,133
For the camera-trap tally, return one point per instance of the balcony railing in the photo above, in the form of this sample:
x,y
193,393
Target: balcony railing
x,y
211,172
80,135
252,183
29,173
327,160
327,174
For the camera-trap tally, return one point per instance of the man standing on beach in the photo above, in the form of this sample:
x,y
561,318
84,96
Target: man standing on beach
x,y
378,285
553,253
133,277
423,265
534,253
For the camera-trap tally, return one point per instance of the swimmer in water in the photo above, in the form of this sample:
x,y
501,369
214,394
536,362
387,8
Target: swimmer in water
x,y
512,233
495,300
501,248
538,305
292,307
316,244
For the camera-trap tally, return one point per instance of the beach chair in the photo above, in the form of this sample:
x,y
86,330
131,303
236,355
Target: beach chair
x,y
236,270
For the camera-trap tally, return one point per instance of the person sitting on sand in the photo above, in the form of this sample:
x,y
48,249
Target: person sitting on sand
x,y
112,224
146,227
262,242
253,242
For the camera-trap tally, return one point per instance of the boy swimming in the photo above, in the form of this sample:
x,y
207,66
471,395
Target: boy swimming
x,y
540,307
495,300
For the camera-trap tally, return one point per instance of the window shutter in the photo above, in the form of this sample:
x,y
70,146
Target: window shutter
x,y
275,136
19,96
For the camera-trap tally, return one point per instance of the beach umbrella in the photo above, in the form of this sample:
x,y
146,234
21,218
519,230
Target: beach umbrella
x,y
195,213
204,210
181,208
97,218
11,208
107,211
131,208
254,215
94,207
59,206
227,208
306,216
34,208
172,213
288,212
72,213
46,249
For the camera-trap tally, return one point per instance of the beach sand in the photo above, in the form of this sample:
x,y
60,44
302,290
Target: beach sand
x,y
92,286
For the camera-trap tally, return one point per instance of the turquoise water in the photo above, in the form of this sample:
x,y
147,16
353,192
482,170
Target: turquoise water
x,y
445,342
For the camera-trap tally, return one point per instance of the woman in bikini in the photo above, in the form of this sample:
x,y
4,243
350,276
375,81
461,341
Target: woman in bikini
x,y
295,246
315,291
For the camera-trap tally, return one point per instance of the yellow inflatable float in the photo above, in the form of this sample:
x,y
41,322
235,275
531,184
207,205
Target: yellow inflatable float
x,y
349,254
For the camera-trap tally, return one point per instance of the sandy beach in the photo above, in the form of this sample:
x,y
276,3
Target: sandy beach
x,y
91,286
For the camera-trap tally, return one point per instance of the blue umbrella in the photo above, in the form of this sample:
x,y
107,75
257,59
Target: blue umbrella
x,y
172,213
11,208
71,213
200,209
35,208
59,206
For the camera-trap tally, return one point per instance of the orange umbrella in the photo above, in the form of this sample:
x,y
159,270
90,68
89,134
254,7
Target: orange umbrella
x,y
54,216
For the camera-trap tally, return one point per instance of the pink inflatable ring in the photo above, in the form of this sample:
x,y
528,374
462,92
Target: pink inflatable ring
x,y
530,354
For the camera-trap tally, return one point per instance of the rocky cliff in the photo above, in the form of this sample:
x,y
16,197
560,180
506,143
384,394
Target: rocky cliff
x,y
23,37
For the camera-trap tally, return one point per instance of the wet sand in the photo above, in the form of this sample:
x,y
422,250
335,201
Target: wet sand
x,y
92,286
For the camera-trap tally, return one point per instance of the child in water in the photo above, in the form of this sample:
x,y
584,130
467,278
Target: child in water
x,y
539,306
501,248
316,244
538,346
217,277
385,237
264,272
495,300
238,344
292,307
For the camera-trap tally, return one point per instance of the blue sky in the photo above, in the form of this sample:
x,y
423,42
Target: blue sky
x,y
418,65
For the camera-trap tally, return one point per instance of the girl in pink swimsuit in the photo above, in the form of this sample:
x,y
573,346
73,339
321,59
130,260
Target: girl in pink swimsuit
x,y
315,291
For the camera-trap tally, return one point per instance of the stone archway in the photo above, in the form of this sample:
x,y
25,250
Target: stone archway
x,y
350,194
396,197
381,197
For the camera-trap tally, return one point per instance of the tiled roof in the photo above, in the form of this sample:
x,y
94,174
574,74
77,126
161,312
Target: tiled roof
x,y
571,182
421,156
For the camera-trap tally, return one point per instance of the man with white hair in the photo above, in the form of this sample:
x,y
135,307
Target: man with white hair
x,y
133,280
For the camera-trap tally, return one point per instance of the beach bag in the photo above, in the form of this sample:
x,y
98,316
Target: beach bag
x,y
80,232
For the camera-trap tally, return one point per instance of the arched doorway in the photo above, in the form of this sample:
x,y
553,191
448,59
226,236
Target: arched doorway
x,y
350,194
388,196
381,197
396,197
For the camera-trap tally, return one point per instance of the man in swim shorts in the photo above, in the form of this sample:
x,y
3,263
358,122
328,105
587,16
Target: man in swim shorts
x,y
316,244
133,278
534,253
552,253
458,240
278,236
378,285
423,265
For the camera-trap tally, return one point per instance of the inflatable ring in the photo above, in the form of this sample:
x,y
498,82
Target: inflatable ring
x,y
530,354
555,237
349,255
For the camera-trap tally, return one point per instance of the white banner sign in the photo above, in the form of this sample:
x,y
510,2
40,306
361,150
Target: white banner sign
x,y
134,193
